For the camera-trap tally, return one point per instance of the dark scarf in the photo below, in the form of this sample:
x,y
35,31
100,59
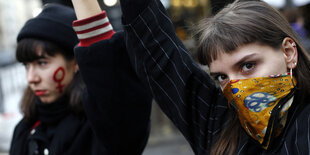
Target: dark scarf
x,y
51,114
59,132
42,132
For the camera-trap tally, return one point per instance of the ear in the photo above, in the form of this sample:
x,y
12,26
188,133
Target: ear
x,y
76,66
290,52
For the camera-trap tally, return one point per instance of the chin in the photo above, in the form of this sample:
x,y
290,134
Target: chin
x,y
46,100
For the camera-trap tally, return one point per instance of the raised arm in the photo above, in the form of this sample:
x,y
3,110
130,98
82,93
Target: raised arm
x,y
116,103
86,8
185,92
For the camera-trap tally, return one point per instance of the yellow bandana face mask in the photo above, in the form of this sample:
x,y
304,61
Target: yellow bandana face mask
x,y
262,104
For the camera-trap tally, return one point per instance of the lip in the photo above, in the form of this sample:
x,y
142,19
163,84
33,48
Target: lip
x,y
40,92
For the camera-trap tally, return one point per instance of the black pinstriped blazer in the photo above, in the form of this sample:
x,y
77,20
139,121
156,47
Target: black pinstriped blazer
x,y
186,94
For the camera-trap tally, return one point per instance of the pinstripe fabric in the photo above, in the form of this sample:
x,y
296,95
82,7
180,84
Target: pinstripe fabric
x,y
186,94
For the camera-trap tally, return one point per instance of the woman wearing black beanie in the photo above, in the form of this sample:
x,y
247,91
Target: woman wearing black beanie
x,y
55,121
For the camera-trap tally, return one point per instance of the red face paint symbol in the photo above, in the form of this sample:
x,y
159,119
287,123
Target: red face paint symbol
x,y
59,76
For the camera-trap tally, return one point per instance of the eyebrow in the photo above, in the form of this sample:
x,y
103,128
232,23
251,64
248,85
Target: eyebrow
x,y
213,74
42,57
241,61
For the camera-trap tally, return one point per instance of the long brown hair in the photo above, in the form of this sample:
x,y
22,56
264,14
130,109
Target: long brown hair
x,y
242,23
26,52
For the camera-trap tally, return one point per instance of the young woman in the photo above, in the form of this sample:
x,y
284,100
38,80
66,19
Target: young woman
x,y
54,120
255,57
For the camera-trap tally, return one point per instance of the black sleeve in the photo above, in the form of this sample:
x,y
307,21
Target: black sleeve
x,y
186,94
116,103
129,5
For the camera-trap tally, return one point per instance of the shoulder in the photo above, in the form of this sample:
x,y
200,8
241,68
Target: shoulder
x,y
296,139
300,121
22,126
21,132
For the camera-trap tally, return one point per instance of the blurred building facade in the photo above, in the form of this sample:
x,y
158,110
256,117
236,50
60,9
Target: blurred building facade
x,y
13,14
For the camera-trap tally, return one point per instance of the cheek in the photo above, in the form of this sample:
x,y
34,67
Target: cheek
x,y
58,77
275,66
280,66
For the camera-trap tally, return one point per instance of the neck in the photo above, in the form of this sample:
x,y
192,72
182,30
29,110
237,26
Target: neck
x,y
53,112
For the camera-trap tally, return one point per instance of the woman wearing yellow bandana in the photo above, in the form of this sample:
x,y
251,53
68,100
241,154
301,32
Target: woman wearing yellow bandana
x,y
254,56
263,71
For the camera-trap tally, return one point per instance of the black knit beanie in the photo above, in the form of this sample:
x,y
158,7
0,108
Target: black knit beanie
x,y
53,24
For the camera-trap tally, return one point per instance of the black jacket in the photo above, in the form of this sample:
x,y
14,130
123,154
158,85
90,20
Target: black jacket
x,y
186,94
116,103
55,131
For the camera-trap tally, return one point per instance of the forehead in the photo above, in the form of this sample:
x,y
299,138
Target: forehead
x,y
29,50
40,54
226,60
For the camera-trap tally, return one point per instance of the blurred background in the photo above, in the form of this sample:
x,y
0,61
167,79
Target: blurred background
x,y
165,138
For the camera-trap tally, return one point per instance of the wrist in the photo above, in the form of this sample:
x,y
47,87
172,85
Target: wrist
x,y
93,29
86,8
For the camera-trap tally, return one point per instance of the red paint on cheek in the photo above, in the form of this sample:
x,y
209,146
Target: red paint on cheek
x,y
58,77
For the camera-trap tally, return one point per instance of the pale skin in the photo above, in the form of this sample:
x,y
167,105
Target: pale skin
x,y
49,76
254,60
86,8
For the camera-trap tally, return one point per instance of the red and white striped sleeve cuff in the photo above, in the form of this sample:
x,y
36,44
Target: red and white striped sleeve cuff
x,y
93,29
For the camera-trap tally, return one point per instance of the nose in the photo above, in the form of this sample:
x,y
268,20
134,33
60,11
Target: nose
x,y
32,75
229,77
236,76
233,77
